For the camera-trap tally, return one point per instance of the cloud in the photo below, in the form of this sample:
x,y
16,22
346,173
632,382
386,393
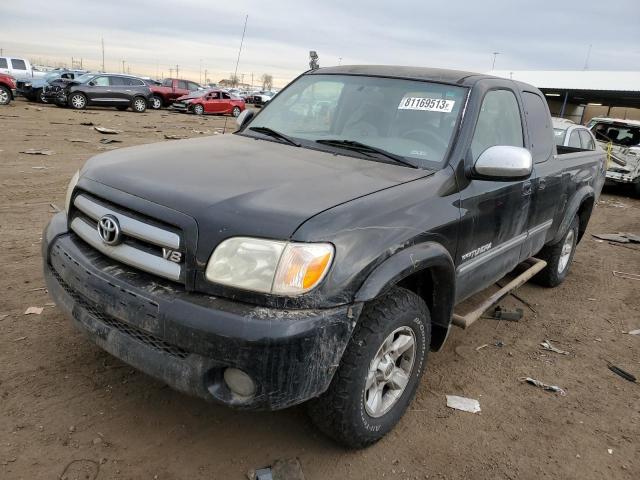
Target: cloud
x,y
154,36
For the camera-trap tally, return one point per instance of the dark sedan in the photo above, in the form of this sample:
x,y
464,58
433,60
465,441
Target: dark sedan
x,y
101,89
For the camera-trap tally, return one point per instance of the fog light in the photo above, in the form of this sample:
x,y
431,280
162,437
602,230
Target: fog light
x,y
239,382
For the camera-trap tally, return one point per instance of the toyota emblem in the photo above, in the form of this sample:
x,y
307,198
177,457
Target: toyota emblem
x,y
109,230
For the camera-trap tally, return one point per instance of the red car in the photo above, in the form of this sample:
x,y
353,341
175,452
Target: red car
x,y
210,102
7,89
170,89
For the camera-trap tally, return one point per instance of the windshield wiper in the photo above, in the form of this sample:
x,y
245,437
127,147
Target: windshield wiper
x,y
364,148
275,134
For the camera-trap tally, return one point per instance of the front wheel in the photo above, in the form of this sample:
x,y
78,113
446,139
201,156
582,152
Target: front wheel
x,y
198,109
78,101
236,111
5,95
558,257
42,97
379,372
156,102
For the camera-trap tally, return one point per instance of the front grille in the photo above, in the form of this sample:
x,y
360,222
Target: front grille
x,y
124,328
145,244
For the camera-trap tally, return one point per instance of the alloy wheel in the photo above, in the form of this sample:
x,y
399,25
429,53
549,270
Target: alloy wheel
x,y
389,372
4,96
565,254
139,105
78,101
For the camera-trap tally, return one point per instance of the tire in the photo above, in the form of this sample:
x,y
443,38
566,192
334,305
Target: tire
x,y
198,109
41,97
5,95
347,411
559,257
121,108
139,104
156,102
236,111
78,101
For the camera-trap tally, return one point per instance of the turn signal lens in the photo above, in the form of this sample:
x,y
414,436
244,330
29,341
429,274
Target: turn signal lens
x,y
302,267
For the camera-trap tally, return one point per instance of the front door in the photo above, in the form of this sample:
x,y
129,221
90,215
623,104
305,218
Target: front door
x,y
494,214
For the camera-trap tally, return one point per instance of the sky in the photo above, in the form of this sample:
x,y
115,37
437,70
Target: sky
x,y
153,37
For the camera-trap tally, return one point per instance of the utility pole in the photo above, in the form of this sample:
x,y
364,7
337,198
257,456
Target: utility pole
x,y
171,73
493,65
252,80
200,71
206,80
586,60
123,71
102,39
177,74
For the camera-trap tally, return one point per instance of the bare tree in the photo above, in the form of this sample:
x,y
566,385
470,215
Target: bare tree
x,y
267,81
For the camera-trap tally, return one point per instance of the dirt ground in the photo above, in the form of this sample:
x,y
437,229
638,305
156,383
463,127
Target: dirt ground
x,y
64,400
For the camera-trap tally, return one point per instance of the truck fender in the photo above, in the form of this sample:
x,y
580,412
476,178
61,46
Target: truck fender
x,y
412,260
573,206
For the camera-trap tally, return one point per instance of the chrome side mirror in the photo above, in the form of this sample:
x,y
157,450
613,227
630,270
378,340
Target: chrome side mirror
x,y
245,117
502,162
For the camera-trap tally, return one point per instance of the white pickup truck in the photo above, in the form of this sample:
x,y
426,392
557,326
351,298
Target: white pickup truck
x,y
621,138
20,69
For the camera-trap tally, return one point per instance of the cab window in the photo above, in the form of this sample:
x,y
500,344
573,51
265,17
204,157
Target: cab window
x,y
499,123
18,64
182,84
3,63
539,125
167,82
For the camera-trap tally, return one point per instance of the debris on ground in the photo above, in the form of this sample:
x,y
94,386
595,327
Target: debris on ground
x,y
500,313
19,339
622,373
109,140
634,332
544,386
462,403
87,124
289,469
547,345
38,151
106,131
620,237
55,207
481,347
628,276
3,316
34,310
76,140
169,136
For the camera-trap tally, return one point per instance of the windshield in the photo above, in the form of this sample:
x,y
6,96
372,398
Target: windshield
x,y
559,134
408,118
85,78
617,133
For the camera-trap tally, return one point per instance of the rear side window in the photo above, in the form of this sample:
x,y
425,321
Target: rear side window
x,y
118,81
499,123
587,140
226,96
18,64
574,140
3,63
539,125
136,82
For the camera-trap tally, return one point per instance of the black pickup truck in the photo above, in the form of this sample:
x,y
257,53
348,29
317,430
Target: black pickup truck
x,y
317,254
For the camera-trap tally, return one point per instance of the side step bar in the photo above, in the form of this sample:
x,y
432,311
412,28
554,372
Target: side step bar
x,y
535,265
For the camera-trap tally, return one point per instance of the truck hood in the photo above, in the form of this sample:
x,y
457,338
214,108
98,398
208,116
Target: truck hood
x,y
235,185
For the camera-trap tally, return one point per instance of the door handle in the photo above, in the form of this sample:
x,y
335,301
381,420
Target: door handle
x,y
542,183
526,189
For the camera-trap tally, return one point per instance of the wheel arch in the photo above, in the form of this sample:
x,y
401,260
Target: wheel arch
x,y
581,204
427,270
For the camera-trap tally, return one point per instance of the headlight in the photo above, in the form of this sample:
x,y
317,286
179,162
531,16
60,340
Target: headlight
x,y
72,185
27,84
269,266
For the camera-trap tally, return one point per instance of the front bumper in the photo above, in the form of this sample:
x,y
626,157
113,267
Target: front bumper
x,y
188,339
619,177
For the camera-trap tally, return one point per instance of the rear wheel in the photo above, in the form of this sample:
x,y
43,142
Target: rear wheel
x,y
379,372
78,101
5,95
198,109
139,104
558,257
156,102
236,111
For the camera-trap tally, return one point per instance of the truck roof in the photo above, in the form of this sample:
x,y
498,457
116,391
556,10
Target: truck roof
x,y
417,73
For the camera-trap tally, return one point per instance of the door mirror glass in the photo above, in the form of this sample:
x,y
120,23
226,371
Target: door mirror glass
x,y
245,117
502,162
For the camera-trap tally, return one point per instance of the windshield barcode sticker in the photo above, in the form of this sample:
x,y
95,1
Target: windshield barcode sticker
x,y
426,104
